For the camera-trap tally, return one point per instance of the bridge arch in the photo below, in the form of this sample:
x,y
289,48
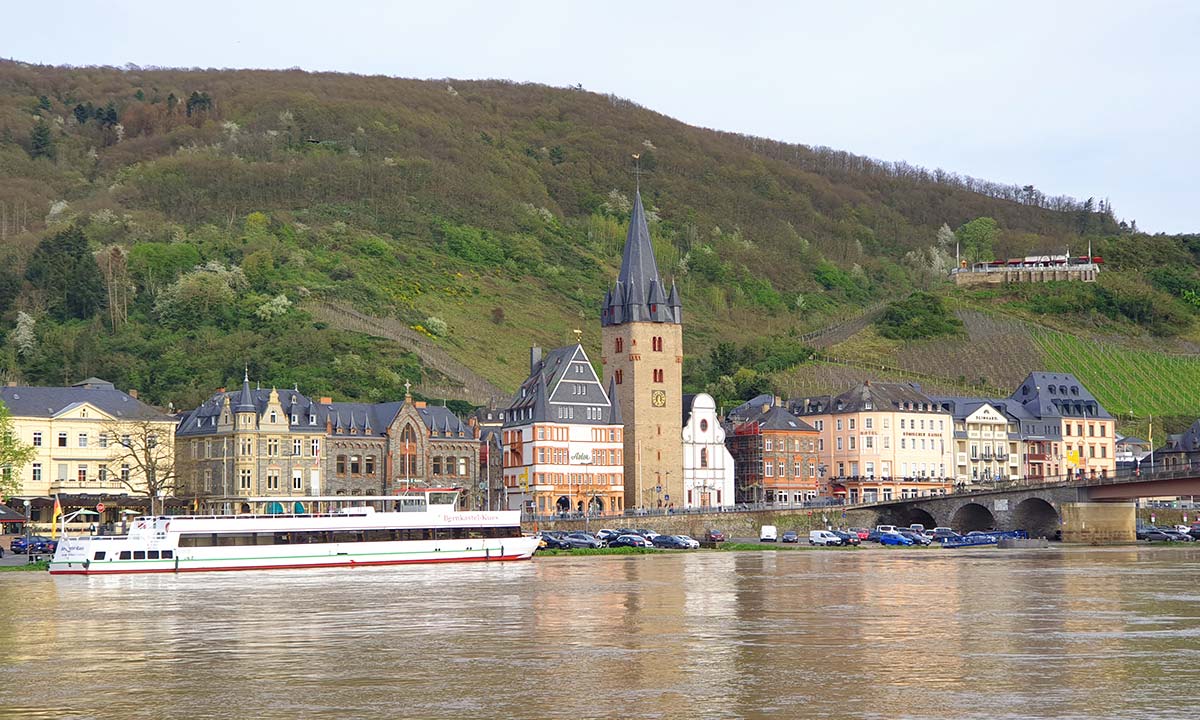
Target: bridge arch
x,y
972,516
922,516
1036,517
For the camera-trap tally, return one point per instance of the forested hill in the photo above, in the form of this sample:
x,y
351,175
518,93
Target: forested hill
x,y
162,228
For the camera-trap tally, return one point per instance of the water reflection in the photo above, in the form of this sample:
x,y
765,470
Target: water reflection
x,y
1077,633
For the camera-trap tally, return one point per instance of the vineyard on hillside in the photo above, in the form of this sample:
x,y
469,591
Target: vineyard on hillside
x,y
1124,380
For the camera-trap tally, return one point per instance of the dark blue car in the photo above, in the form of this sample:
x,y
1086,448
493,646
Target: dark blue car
x,y
36,544
891,538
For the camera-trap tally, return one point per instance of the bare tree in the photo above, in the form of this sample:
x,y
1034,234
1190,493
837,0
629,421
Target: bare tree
x,y
145,446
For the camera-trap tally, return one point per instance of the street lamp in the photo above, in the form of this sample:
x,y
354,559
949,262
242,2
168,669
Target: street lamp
x,y
28,519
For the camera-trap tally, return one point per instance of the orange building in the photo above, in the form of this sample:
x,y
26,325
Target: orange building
x,y
775,457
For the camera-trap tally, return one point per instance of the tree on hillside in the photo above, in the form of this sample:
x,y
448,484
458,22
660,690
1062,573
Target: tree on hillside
x,y
976,239
41,141
10,287
14,455
66,274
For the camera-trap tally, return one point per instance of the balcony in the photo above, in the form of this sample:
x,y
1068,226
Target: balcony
x,y
1037,457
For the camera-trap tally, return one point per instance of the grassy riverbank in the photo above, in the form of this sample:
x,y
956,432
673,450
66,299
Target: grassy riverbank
x,y
26,567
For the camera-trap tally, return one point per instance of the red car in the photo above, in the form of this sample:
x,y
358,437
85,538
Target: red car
x,y
711,535
862,533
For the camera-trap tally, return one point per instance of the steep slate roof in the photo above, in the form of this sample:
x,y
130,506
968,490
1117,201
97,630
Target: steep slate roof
x,y
1187,441
870,396
638,294
776,418
34,401
1058,395
367,419
745,410
564,378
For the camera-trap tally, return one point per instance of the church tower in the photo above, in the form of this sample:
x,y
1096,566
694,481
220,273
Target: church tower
x,y
642,353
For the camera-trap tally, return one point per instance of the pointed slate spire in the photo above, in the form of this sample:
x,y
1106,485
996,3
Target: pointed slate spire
x,y
245,401
673,301
638,291
614,418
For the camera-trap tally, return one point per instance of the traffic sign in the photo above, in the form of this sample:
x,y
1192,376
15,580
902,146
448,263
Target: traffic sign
x,y
99,507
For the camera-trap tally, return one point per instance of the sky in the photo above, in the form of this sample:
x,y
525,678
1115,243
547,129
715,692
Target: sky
x,y
1077,98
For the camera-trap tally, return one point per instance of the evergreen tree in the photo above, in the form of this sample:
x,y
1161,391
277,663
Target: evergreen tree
x,y
10,287
67,274
82,113
41,141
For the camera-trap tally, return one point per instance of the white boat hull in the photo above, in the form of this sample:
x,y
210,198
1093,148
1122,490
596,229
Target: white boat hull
x,y
75,555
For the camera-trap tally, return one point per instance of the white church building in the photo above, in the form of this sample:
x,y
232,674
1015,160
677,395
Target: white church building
x,y
707,464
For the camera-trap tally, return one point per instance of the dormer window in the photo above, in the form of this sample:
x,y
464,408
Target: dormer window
x,y
274,417
295,419
312,419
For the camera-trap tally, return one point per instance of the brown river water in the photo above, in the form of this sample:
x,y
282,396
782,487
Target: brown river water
x,y
1059,633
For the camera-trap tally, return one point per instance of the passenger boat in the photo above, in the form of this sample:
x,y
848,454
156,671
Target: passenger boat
x,y
421,526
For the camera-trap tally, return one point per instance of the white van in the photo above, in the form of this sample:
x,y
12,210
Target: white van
x,y
823,537
768,533
886,528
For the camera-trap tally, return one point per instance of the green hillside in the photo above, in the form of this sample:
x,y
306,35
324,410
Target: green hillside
x,y
229,213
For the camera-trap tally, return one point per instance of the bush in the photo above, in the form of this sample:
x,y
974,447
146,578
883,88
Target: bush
x,y
921,315
436,326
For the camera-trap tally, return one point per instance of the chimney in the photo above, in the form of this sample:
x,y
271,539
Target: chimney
x,y
778,402
133,394
766,408
220,389
326,400
535,357
420,404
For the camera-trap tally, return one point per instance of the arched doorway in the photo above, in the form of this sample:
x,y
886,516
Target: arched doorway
x,y
1037,517
596,506
923,517
972,516
563,504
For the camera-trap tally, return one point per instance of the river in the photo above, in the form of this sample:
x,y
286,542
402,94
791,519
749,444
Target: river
x,y
1060,633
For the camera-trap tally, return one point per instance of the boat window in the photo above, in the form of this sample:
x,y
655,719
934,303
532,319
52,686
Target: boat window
x,y
235,539
168,554
442,498
151,554
139,554
125,555
99,555
343,536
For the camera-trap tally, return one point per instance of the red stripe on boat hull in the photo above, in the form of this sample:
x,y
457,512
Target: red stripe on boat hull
x,y
350,563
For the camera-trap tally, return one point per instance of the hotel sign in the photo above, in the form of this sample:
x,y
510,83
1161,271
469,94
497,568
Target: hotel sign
x,y
581,458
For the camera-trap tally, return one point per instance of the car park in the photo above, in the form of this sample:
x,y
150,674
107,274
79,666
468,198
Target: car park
x,y
790,536
823,538
630,540
714,535
893,538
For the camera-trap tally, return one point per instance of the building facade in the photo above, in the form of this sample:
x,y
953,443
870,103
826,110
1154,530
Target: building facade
x,y
81,436
988,447
774,457
642,355
880,441
708,475
1066,430
254,443
563,439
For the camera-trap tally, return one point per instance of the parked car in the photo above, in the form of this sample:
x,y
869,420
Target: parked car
x,y
768,533
669,542
916,537
1176,535
35,541
918,527
692,543
552,542
823,537
893,538
790,536
862,533
1195,532
874,535
1155,535
606,534
644,532
885,528
714,535
581,540
944,533
848,538
630,540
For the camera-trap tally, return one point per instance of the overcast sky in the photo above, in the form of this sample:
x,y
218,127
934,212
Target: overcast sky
x,y
1079,98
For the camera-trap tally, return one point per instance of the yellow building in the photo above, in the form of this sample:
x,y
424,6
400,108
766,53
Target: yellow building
x,y
91,443
642,354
